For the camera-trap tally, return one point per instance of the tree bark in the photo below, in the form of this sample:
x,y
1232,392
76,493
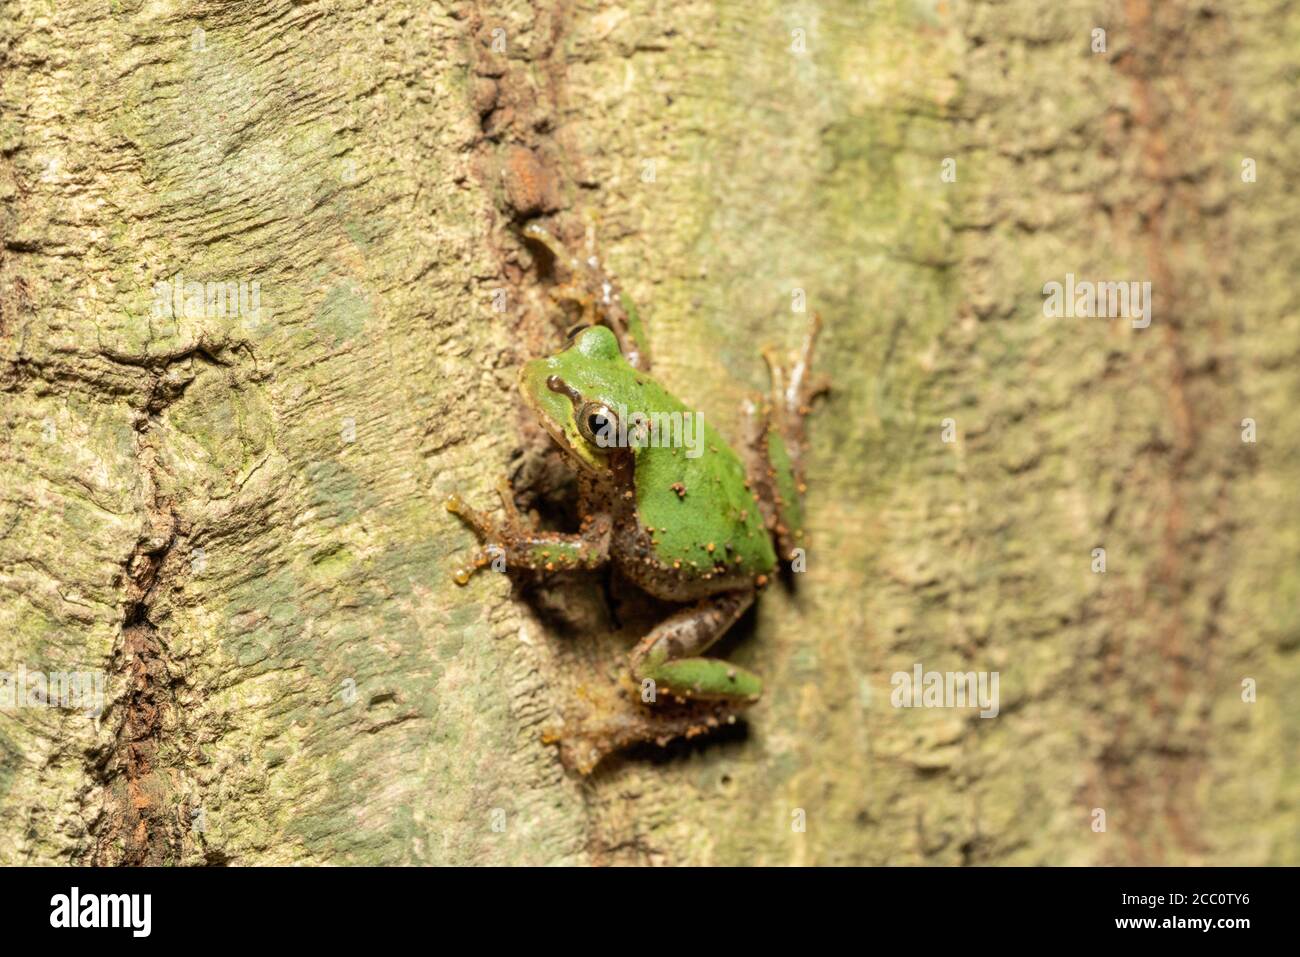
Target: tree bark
x,y
235,513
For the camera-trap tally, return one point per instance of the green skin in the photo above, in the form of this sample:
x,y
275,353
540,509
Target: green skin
x,y
703,527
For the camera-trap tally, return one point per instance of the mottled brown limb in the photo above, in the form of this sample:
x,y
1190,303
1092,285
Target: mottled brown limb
x,y
594,291
516,546
793,390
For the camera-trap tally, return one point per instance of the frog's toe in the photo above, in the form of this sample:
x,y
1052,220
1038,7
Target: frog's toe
x,y
484,527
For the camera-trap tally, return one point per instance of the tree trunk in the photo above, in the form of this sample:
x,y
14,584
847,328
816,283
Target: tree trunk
x,y
229,501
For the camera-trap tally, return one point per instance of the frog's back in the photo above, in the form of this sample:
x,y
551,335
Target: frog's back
x,y
695,497
692,498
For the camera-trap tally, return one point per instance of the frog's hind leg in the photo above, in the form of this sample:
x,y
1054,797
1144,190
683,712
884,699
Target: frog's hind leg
x,y
670,656
574,290
776,441
681,695
597,295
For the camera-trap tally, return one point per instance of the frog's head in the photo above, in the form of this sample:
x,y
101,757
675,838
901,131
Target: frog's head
x,y
575,394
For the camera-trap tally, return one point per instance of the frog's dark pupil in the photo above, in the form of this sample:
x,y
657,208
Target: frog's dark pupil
x,y
596,422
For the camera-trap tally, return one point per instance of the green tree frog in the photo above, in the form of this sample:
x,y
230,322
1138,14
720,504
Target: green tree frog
x,y
662,496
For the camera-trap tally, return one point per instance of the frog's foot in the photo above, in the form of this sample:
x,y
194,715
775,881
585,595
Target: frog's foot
x,y
668,661
586,739
596,295
516,544
776,440
578,289
794,388
541,234
486,528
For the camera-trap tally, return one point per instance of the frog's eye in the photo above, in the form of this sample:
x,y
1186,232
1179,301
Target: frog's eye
x,y
597,424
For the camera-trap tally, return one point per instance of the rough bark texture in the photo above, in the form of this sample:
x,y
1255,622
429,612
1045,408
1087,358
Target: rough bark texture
x,y
238,517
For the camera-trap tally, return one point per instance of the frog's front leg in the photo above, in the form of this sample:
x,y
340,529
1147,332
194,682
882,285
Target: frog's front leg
x,y
516,544
776,442
598,296
670,656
